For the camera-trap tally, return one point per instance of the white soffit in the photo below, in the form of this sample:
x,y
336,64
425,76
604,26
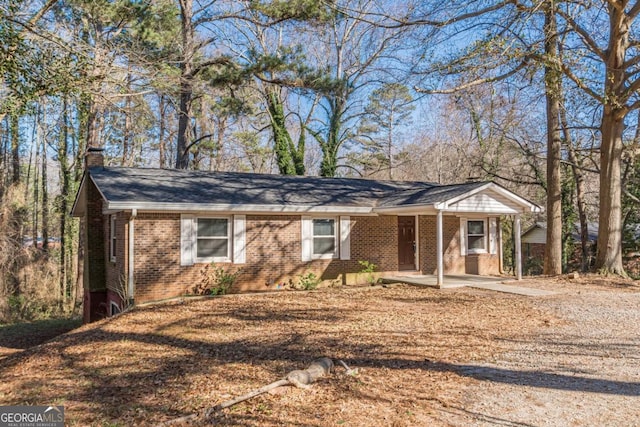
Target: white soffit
x,y
231,208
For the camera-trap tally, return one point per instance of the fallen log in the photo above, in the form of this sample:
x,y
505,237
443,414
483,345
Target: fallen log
x,y
298,378
244,397
317,369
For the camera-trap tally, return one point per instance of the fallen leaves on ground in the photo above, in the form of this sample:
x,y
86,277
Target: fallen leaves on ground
x,y
160,362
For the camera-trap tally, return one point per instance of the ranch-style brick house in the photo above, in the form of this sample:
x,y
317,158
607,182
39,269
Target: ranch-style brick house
x,y
148,233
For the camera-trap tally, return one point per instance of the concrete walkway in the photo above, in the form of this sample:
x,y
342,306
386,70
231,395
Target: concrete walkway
x,y
470,280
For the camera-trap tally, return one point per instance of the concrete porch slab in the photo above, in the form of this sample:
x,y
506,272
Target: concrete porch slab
x,y
473,281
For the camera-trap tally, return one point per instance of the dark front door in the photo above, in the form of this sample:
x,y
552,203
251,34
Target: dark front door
x,y
406,243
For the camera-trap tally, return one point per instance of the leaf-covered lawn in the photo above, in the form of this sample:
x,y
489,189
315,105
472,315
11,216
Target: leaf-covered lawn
x,y
19,336
159,362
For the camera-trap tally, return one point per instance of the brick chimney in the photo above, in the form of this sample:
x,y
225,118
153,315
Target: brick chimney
x,y
94,157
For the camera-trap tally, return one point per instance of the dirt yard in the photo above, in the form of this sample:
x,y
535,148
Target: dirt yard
x,y
425,357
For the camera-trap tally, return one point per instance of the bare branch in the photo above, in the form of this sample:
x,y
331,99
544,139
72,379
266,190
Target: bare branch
x,y
399,22
194,142
473,83
567,71
635,9
584,35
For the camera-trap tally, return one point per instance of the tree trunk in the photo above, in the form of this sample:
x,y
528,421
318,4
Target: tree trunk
x,y
578,175
329,163
65,178
3,161
186,84
127,146
281,138
15,148
553,248
161,131
609,257
298,154
36,194
45,200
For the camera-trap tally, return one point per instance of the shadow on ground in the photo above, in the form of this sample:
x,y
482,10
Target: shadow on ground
x,y
28,334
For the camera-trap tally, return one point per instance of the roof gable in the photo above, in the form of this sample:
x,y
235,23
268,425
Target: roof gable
x,y
486,201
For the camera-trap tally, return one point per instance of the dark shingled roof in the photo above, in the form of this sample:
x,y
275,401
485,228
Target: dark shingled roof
x,y
199,187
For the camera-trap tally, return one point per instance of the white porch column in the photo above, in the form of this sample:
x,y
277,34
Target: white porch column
x,y
439,255
131,260
516,233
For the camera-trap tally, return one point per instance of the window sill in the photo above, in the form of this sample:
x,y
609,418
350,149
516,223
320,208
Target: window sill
x,y
210,260
477,252
325,256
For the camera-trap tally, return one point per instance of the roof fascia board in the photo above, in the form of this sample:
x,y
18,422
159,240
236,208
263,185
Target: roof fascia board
x,y
79,195
415,209
461,213
216,207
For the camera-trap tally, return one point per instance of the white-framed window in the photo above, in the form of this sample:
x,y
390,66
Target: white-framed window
x,y
112,238
213,239
205,239
325,238
476,236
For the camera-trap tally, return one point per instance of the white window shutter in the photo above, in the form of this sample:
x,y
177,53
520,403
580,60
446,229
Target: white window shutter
x,y
307,238
345,237
187,239
239,239
493,247
463,236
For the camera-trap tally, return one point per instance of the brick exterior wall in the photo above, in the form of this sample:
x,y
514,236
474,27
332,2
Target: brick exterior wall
x,y
482,264
158,273
116,278
94,277
94,273
273,254
454,263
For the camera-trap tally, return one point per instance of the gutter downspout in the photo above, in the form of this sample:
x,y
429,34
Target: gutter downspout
x,y
518,245
500,249
130,287
439,254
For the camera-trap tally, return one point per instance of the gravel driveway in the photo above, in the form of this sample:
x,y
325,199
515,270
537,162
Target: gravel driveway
x,y
583,370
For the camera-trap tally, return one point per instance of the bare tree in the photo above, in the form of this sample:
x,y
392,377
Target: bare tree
x,y
552,76
617,91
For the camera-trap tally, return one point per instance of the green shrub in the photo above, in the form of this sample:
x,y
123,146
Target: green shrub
x,y
368,268
307,282
216,280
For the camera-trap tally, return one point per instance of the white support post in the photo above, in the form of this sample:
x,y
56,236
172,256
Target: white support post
x,y
439,254
131,260
518,244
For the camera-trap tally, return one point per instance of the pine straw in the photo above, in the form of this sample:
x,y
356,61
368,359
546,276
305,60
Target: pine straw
x,y
157,363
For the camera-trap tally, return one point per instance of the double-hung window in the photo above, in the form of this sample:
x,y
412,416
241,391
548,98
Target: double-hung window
x,y
325,238
112,238
205,239
476,236
213,240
